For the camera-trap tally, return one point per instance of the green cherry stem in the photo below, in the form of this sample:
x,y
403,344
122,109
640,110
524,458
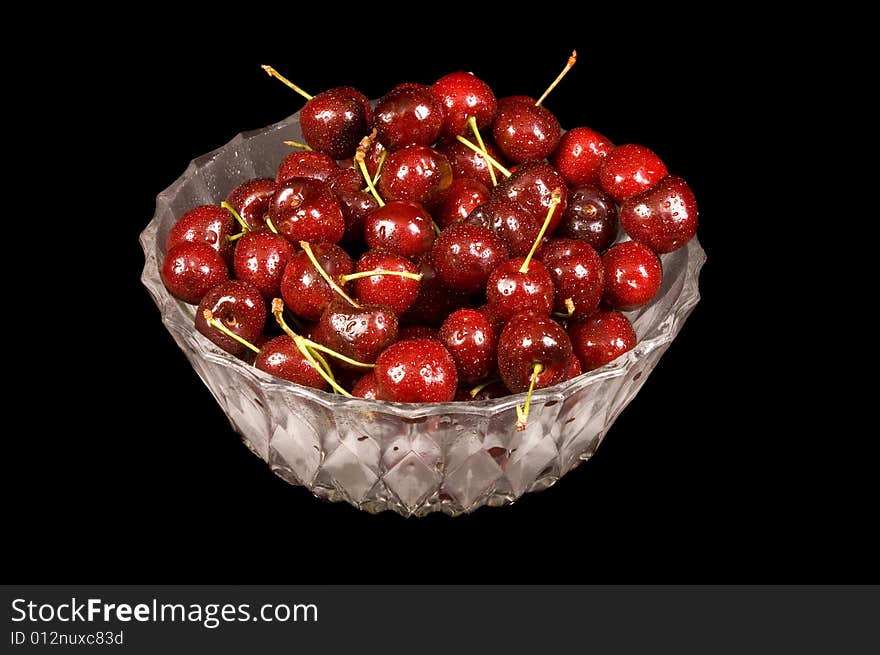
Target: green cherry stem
x,y
359,157
489,158
568,65
569,307
278,76
555,199
217,325
236,215
379,167
472,121
335,287
477,389
236,237
297,144
271,225
314,345
345,279
522,413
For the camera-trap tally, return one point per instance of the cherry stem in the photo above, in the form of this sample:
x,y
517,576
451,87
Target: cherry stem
x,y
489,158
236,237
231,210
477,389
297,144
568,65
569,306
555,199
359,157
335,287
274,73
379,167
214,323
314,345
345,279
472,121
522,413
271,225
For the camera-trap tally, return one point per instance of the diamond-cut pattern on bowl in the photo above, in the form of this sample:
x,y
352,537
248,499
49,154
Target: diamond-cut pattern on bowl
x,y
349,473
473,478
411,480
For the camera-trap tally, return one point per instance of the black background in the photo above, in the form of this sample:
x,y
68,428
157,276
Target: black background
x,y
711,474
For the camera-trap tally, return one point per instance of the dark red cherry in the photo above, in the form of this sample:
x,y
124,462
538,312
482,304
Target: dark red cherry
x,y
304,209
335,121
260,258
532,185
591,216
240,307
664,217
417,332
579,155
436,299
191,269
366,387
252,199
416,173
304,290
630,169
401,227
395,291
407,115
458,201
208,224
465,255
463,95
509,291
601,338
416,371
469,164
281,357
633,275
529,339
304,163
523,131
347,185
577,273
360,333
516,226
574,368
470,338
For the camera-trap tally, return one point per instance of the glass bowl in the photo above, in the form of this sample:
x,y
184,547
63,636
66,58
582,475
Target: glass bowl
x,y
409,458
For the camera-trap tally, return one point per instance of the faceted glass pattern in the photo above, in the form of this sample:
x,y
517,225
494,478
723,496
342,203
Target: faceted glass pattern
x,y
409,458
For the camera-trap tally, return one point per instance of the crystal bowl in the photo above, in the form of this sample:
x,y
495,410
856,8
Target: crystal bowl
x,y
409,458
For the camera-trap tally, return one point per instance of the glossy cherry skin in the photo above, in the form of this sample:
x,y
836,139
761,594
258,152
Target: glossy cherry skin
x,y
510,292
531,186
252,199
305,163
463,95
304,209
240,307
469,164
347,185
577,273
304,290
630,169
524,132
601,338
664,217
590,216
396,292
416,371
401,227
465,255
436,299
407,115
516,226
359,333
366,387
530,339
208,224
334,122
458,201
191,269
260,258
470,338
280,357
579,155
574,367
633,275
416,173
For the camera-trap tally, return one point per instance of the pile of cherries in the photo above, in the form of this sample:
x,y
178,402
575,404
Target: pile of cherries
x,y
444,245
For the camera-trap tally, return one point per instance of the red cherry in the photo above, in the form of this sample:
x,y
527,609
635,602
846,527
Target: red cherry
x,y
630,169
240,307
577,273
191,269
400,227
436,299
334,122
579,155
510,291
208,224
360,333
470,338
524,131
527,340
664,217
347,185
304,290
465,255
463,95
469,164
633,275
304,209
310,164
409,114
516,226
532,185
601,338
251,200
281,357
416,371
591,216
416,173
459,200
366,387
574,368
260,258
395,291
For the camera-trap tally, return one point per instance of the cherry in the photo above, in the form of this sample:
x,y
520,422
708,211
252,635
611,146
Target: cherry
x,y
416,371
208,224
664,217
459,200
630,169
409,114
306,209
465,255
251,200
633,275
303,288
470,338
385,278
532,185
463,95
282,358
239,307
466,163
356,205
360,333
418,332
260,258
577,273
579,155
366,387
416,173
591,216
601,338
401,227
436,299
191,269
574,368
524,131
309,163
516,226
